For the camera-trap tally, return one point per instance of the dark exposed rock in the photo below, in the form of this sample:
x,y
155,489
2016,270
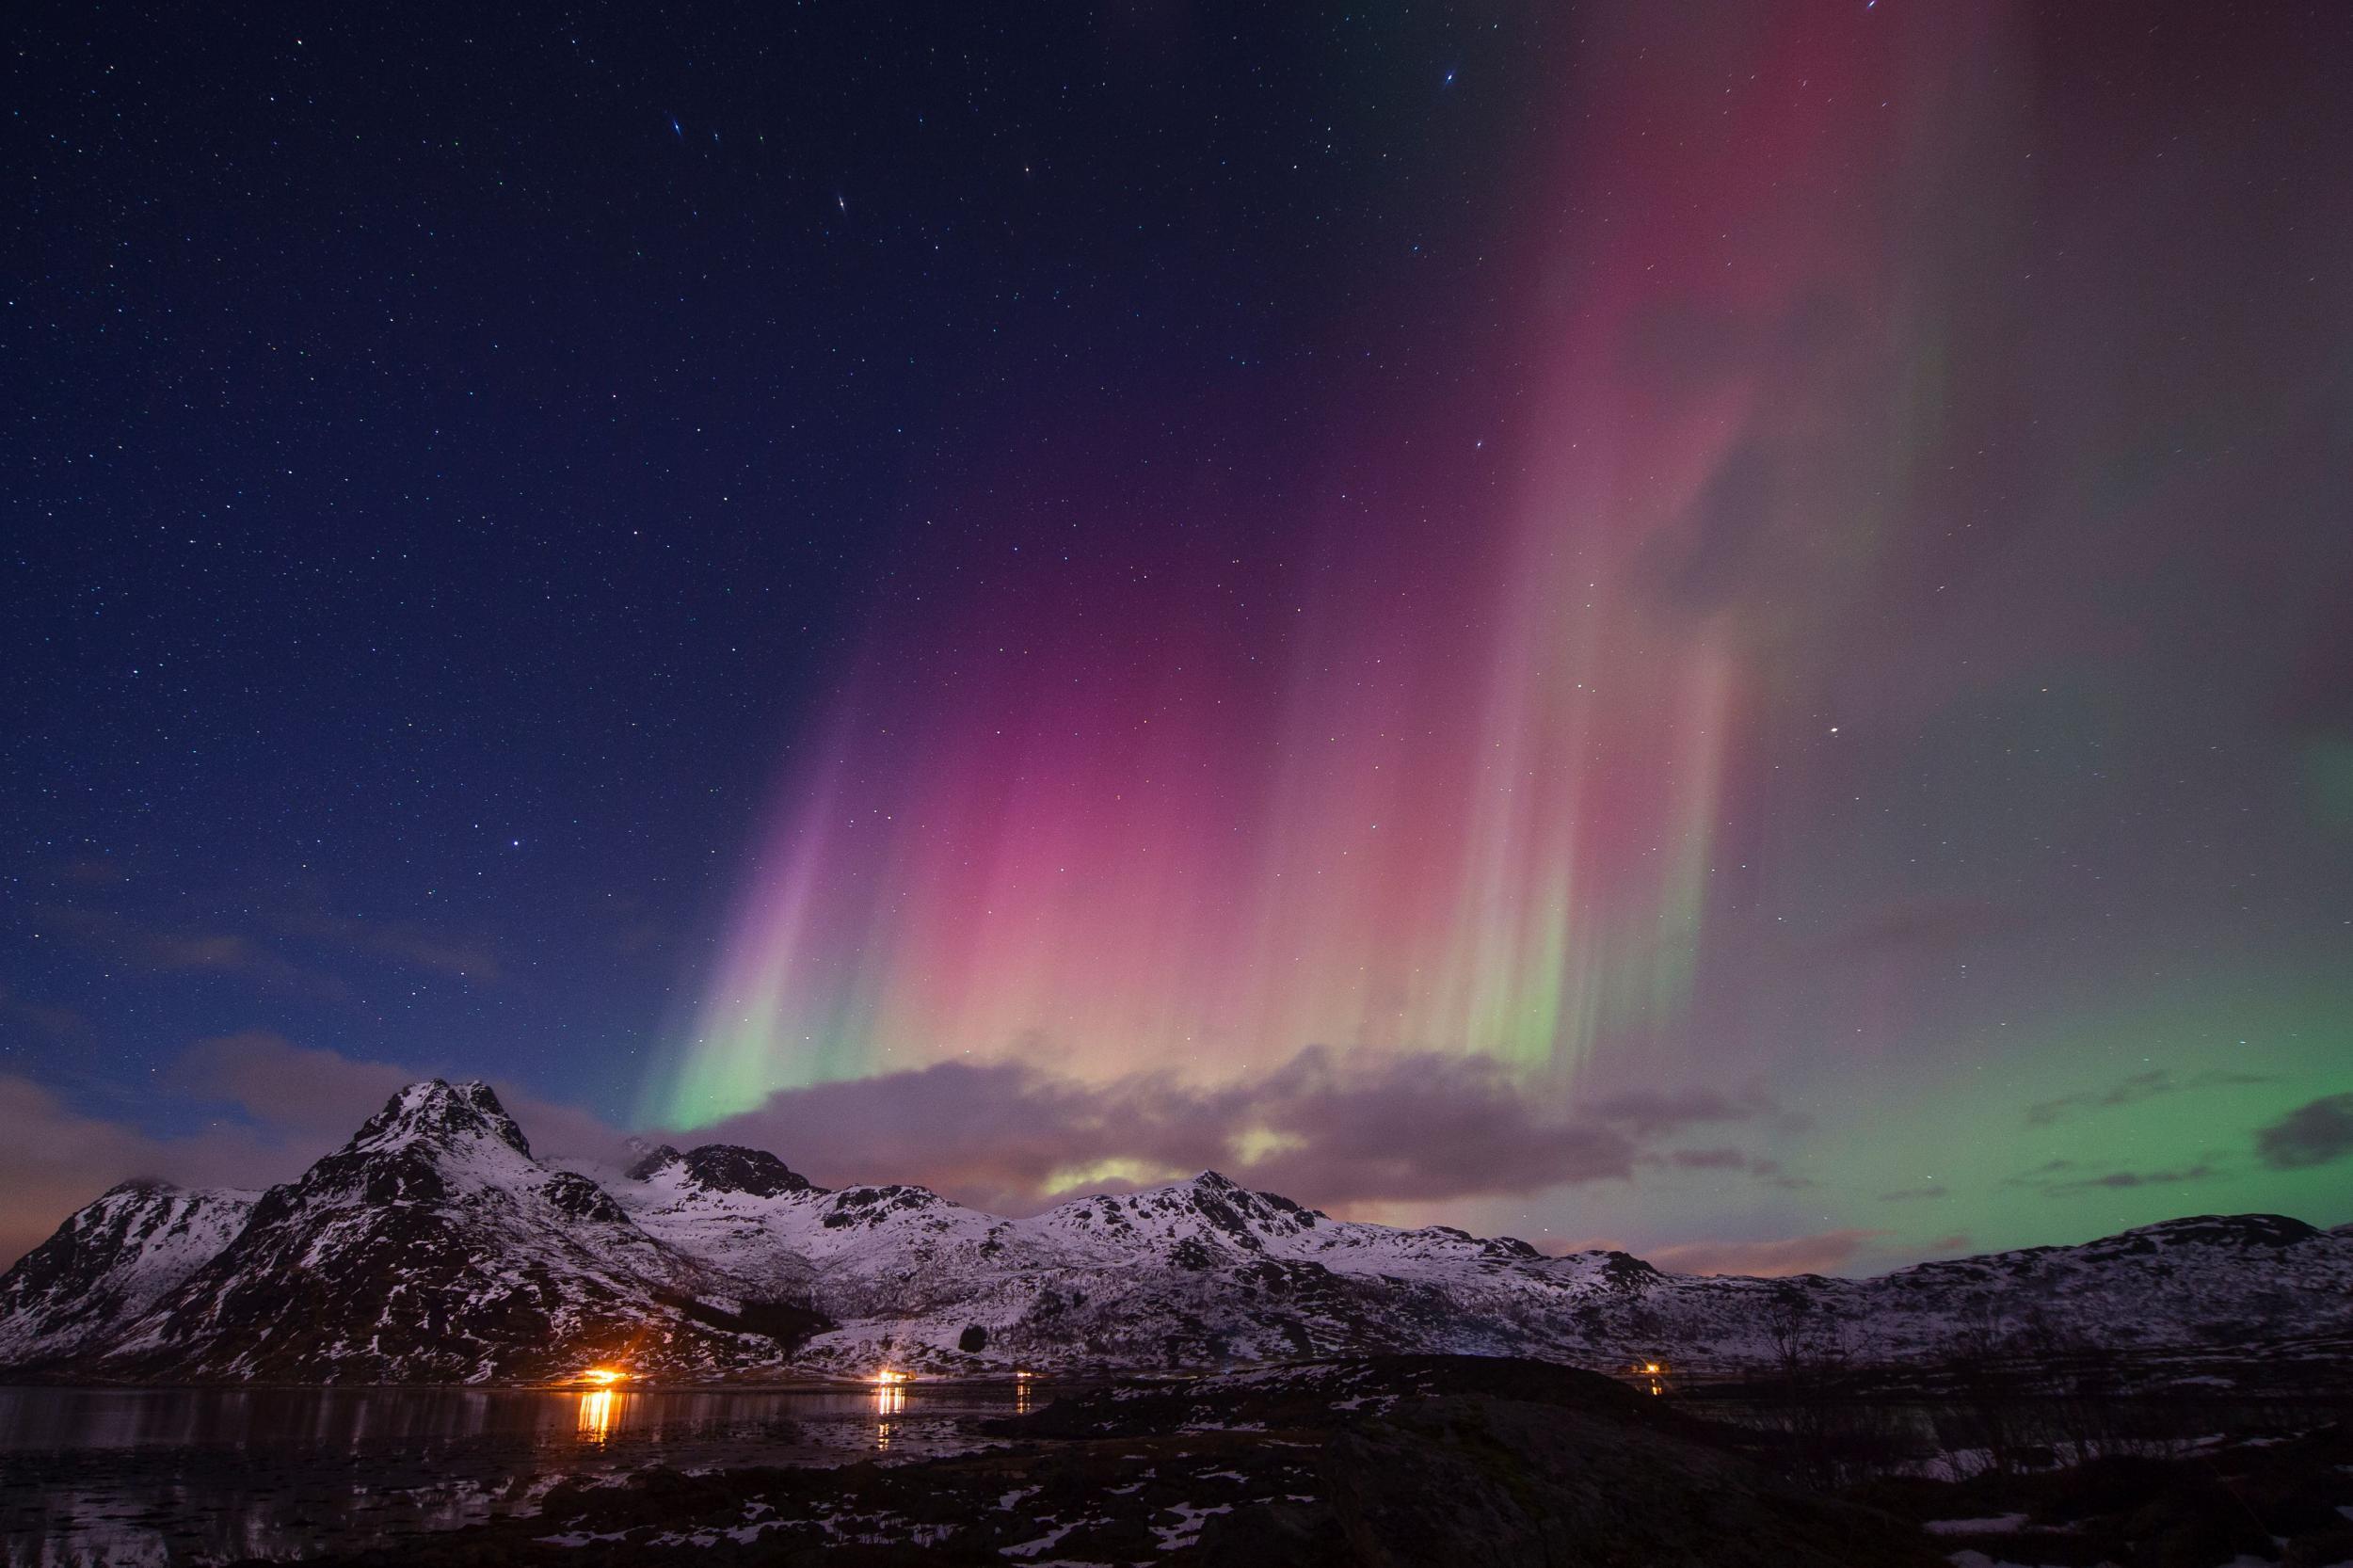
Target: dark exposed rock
x,y
788,1324
728,1168
583,1199
1626,1272
2272,1498
874,1205
650,1159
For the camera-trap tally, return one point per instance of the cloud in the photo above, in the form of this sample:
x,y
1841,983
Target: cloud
x,y
288,1088
2133,1090
1934,926
1707,1159
319,1097
404,942
318,940
1328,1129
1825,1253
53,1023
2140,1086
2114,1179
1651,1112
55,1159
2055,1177
2315,1133
190,949
1770,1172
1416,1126
1725,1158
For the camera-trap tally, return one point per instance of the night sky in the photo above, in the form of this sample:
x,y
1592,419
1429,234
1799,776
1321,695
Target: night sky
x,y
1721,628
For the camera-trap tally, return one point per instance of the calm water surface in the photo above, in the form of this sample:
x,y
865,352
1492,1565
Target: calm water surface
x,y
200,1476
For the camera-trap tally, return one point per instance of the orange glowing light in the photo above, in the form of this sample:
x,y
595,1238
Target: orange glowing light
x,y
597,1416
604,1377
1653,1367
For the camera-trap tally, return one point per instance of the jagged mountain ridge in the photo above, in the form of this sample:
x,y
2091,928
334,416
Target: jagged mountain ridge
x,y
432,1247
436,1247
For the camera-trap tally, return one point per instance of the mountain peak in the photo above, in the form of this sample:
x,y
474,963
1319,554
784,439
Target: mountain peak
x,y
441,1111
732,1168
139,1187
652,1159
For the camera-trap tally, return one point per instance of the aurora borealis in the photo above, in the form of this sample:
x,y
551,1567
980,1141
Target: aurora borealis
x,y
1461,778
1720,627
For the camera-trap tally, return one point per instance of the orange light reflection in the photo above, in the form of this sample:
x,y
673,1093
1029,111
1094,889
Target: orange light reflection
x,y
597,1415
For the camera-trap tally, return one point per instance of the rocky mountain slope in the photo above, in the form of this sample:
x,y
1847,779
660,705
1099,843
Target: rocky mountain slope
x,y
434,1247
109,1264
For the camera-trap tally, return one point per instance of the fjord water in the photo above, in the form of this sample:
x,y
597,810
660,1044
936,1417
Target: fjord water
x,y
208,1475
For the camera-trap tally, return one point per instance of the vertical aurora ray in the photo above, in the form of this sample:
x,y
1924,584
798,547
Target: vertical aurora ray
x,y
1477,807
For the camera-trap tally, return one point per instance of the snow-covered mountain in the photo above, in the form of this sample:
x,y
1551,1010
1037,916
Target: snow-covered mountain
x,y
110,1263
434,1247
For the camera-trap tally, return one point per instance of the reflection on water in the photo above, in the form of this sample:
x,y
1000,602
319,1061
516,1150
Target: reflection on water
x,y
596,1415
1653,1374
890,1400
365,1420
168,1477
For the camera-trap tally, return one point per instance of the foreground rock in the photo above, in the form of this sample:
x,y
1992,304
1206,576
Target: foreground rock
x,y
1379,1462
2284,1498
